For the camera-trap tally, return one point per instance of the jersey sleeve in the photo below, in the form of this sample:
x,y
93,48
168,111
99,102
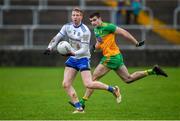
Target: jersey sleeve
x,y
111,28
54,41
63,30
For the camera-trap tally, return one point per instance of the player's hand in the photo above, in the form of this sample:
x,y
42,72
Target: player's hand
x,y
68,54
47,52
141,43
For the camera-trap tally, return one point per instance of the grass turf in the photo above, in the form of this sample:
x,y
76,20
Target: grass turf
x,y
36,93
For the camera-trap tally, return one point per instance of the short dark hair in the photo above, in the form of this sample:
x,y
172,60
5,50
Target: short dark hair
x,y
78,10
97,14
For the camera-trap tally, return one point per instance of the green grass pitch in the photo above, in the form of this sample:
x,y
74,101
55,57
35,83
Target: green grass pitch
x,y
36,93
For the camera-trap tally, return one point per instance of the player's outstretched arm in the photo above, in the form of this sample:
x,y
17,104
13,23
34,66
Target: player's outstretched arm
x,y
54,41
128,36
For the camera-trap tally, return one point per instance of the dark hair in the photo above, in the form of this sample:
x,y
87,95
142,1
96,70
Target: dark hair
x,y
78,10
97,14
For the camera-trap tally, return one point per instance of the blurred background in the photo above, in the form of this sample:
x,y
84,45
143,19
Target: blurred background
x,y
27,26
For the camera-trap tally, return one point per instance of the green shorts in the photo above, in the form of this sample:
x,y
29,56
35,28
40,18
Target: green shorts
x,y
113,62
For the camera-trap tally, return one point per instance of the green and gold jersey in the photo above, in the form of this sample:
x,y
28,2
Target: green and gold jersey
x,y
106,37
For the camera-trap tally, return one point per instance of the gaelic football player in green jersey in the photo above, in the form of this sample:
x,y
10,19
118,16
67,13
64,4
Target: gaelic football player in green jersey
x,y
112,57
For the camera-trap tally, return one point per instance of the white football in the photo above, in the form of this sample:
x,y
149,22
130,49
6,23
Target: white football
x,y
63,47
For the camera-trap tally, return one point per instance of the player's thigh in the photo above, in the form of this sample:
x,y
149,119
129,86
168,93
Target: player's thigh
x,y
69,75
100,71
122,72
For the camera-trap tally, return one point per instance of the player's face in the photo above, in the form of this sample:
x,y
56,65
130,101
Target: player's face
x,y
95,21
76,17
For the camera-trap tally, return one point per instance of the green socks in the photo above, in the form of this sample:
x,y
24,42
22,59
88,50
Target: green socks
x,y
150,72
82,101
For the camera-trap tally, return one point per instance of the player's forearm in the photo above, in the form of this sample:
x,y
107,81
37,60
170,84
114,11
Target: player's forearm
x,y
54,41
131,38
126,35
83,49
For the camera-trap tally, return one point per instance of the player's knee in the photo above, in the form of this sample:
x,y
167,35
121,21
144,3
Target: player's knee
x,y
128,79
65,85
89,85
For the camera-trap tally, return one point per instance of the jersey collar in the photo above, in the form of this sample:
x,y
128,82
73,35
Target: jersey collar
x,y
77,26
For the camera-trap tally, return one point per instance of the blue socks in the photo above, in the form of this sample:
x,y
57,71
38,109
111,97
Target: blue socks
x,y
110,89
77,105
